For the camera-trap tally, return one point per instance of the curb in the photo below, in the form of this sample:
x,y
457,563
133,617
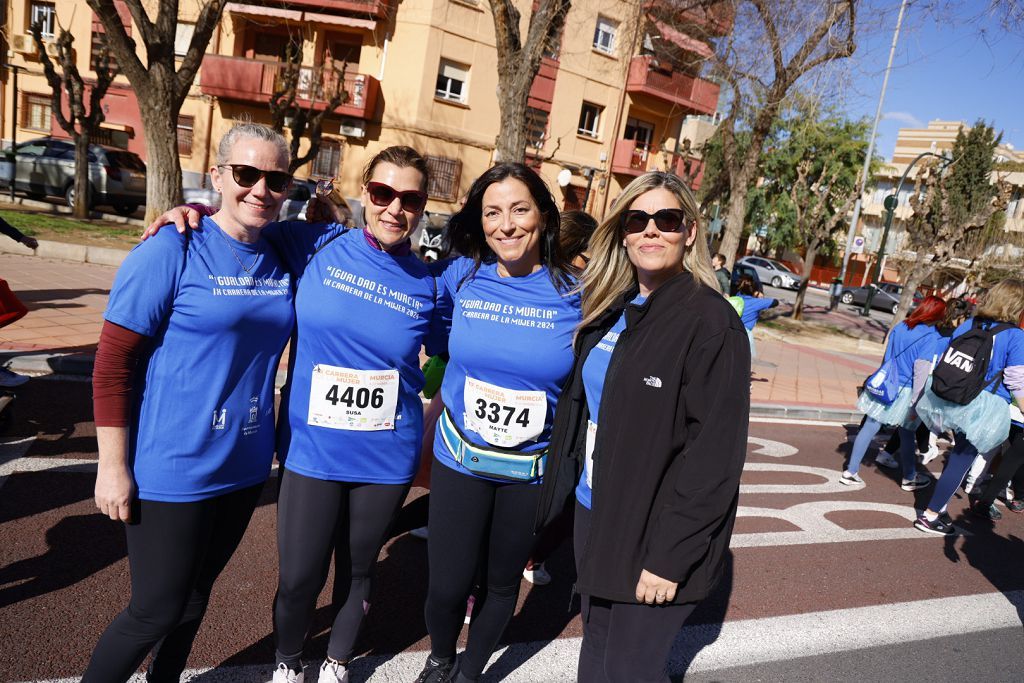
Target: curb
x,y
61,210
81,364
76,253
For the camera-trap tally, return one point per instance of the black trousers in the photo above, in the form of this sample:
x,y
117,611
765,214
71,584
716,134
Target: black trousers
x,y
176,551
624,642
475,524
314,518
922,436
1011,468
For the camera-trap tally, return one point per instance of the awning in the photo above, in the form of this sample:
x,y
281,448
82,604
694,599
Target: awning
x,y
261,11
684,41
368,24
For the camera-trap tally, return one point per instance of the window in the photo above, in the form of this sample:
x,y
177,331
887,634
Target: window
x,y
444,178
536,127
328,159
183,38
46,14
604,35
185,125
590,120
451,81
37,112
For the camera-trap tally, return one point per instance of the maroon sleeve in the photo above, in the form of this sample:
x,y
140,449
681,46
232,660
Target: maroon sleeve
x,y
116,357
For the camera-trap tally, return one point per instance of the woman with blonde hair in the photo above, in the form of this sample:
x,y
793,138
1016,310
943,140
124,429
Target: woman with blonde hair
x,y
650,431
978,376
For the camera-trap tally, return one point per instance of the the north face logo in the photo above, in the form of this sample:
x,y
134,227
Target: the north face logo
x,y
958,359
653,381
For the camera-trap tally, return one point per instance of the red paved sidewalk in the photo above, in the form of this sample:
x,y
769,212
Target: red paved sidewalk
x,y
66,303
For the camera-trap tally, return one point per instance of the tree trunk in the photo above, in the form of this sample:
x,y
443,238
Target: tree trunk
x,y
83,188
922,268
510,144
798,305
163,168
734,218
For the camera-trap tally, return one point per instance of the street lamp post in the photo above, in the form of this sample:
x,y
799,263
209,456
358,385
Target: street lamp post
x,y
890,203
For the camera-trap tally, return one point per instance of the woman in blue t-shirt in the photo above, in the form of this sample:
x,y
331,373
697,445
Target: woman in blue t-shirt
x,y
912,344
984,423
184,399
753,303
512,318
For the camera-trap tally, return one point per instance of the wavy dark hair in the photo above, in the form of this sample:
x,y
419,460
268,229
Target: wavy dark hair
x,y
466,231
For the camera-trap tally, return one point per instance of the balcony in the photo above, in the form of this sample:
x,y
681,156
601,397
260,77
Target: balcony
x,y
647,77
246,80
691,169
378,9
716,20
630,157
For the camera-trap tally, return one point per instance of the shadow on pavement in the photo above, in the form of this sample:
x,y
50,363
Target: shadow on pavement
x,y
997,558
35,299
704,625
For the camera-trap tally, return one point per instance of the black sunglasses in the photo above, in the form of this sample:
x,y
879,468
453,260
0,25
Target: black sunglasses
x,y
666,220
412,201
247,176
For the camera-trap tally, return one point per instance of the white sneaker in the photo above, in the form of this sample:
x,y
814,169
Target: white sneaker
x,y
930,454
282,674
333,672
885,459
850,479
538,576
419,532
9,378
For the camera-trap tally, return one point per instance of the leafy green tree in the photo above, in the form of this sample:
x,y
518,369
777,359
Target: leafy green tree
x,y
810,182
957,208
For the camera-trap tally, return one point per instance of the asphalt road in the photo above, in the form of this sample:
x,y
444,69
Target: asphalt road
x,y
823,582
817,297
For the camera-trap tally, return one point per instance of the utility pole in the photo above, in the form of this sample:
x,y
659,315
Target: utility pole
x,y
871,147
14,125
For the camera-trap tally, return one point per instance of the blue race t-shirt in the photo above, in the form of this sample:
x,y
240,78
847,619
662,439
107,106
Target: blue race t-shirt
x,y
1007,351
909,345
352,410
752,305
595,368
510,352
219,313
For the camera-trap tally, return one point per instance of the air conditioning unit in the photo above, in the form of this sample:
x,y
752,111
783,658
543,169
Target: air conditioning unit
x,y
353,129
24,44
52,50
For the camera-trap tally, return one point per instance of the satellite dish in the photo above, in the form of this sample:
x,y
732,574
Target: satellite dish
x,y
564,177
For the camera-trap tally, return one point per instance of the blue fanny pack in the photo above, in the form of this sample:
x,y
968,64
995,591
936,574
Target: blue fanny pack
x,y
495,463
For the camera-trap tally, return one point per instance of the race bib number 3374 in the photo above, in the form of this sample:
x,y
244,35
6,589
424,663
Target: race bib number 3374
x,y
358,400
504,417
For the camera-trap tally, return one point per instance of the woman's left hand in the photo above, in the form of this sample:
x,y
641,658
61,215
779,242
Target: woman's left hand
x,y
654,590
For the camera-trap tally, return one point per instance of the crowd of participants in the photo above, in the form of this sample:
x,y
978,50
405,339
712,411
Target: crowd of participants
x,y
569,349
560,370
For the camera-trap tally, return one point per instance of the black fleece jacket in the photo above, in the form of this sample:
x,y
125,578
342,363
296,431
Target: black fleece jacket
x,y
670,446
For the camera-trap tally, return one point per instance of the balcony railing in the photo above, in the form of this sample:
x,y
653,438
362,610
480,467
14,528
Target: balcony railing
x,y
647,77
630,157
246,80
378,9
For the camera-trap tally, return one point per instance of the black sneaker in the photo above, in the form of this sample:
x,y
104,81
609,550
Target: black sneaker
x,y
937,527
979,509
437,671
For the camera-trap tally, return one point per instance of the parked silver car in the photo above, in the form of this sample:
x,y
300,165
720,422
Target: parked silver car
x,y
772,272
46,167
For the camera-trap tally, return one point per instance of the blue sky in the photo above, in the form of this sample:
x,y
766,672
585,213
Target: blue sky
x,y
952,70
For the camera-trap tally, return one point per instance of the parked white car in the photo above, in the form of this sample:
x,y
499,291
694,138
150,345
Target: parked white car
x,y
772,272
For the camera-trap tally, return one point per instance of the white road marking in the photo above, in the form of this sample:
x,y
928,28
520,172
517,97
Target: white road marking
x,y
702,647
795,421
830,485
773,449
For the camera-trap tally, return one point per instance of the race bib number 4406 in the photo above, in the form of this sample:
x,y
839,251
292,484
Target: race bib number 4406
x,y
504,417
359,400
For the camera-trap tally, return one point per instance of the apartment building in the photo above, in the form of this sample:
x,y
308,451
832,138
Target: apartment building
x,y
622,93
938,137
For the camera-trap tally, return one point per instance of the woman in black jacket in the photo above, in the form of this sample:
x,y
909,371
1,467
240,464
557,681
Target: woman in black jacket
x,y
650,430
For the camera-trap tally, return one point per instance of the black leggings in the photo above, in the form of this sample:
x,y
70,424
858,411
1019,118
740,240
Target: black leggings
x,y
315,516
624,642
1011,467
176,551
475,523
922,435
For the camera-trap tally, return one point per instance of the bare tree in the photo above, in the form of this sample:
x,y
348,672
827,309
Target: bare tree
x,y
518,64
775,44
324,84
82,124
160,85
